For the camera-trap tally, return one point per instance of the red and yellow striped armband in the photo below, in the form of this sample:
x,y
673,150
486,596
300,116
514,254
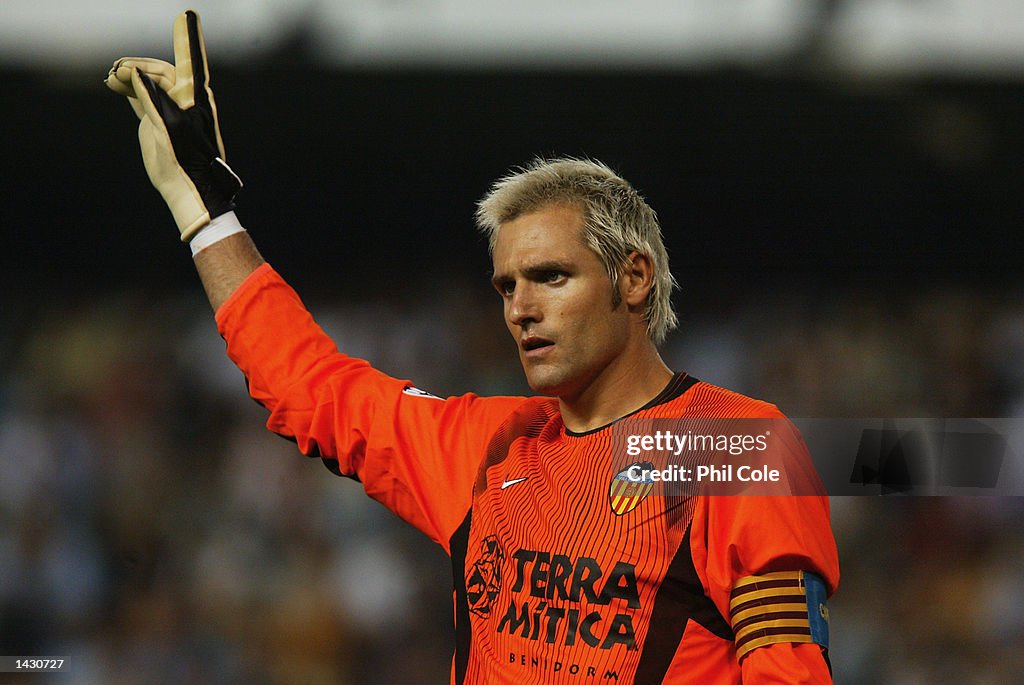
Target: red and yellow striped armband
x,y
787,606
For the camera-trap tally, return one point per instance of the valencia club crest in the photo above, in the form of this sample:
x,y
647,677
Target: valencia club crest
x,y
629,487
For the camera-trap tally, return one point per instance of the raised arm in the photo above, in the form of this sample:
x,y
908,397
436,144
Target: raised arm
x,y
224,265
183,152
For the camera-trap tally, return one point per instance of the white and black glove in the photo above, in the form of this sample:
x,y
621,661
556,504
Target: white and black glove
x,y
178,130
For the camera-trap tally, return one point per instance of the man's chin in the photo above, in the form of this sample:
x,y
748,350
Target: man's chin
x,y
546,383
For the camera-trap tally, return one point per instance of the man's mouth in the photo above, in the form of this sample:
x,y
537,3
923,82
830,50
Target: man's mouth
x,y
534,345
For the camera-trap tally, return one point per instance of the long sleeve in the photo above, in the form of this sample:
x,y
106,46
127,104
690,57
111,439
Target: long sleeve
x,y
415,453
768,563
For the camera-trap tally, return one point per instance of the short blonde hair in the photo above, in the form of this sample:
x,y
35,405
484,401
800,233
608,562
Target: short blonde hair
x,y
616,221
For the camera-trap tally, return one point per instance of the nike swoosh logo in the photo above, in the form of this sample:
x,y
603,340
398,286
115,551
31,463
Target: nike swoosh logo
x,y
505,484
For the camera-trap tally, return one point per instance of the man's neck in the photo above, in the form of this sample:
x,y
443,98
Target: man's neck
x,y
618,390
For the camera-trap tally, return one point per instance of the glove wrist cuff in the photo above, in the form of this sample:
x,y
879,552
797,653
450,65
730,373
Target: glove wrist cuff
x,y
218,229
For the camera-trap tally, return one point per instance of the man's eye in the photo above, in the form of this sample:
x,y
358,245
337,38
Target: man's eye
x,y
554,276
507,288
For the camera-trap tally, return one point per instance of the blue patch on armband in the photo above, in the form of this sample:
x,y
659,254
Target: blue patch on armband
x,y
817,608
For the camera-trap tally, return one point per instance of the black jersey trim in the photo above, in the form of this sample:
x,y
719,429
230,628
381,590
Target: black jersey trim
x,y
679,384
459,545
680,599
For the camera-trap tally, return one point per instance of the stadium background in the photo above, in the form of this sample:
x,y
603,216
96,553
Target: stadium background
x,y
846,233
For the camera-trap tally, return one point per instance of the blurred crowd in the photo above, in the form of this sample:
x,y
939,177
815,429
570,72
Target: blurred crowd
x,y
152,531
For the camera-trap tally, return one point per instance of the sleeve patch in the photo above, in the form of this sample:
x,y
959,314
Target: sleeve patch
x,y
416,392
786,606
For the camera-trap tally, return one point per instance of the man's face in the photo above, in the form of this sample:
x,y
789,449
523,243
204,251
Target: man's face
x,y
558,301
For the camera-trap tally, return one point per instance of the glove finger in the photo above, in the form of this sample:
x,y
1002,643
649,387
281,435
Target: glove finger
x,y
192,68
185,68
200,67
155,103
137,106
119,79
117,85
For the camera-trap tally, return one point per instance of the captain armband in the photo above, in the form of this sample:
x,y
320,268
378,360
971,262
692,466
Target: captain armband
x,y
786,606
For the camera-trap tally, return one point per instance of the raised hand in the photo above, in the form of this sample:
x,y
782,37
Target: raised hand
x,y
178,129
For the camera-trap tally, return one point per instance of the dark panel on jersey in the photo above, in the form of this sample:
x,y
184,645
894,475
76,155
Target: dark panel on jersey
x,y
680,598
458,546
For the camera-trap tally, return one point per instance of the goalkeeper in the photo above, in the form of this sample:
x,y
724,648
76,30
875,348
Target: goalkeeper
x,y
557,578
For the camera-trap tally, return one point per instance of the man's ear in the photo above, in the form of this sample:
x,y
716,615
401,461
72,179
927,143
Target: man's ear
x,y
637,279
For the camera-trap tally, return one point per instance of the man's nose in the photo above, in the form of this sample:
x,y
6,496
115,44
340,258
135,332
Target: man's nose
x,y
523,306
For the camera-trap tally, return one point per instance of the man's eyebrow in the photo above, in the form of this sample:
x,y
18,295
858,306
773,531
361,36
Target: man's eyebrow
x,y
546,267
534,271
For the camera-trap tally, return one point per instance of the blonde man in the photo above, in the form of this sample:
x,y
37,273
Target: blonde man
x,y
565,570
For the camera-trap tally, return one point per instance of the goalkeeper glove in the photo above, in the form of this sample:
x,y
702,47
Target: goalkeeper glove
x,y
178,130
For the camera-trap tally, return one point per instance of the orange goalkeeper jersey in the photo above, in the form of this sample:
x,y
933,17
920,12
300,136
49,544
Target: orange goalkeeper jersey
x,y
559,577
